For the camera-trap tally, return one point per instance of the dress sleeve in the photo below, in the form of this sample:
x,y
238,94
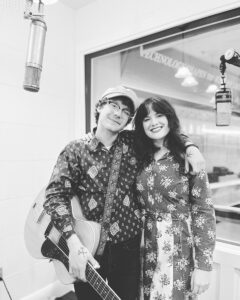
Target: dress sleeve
x,y
186,139
203,221
61,189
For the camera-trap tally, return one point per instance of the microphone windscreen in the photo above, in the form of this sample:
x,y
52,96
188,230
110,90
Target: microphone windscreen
x,y
32,79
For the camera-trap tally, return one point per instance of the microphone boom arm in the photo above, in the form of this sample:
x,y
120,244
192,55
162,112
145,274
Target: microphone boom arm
x,y
28,14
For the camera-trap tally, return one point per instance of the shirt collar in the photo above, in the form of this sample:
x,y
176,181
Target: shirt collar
x,y
165,156
95,143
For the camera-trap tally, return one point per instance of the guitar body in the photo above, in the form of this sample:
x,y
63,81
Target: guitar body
x,y
45,241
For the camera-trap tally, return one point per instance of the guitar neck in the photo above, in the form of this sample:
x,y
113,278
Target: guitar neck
x,y
60,253
99,284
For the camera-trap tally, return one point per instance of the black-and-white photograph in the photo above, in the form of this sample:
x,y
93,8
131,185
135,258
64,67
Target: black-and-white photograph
x,y
120,147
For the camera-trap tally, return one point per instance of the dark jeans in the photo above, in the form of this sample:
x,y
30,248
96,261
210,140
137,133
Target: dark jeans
x,y
120,265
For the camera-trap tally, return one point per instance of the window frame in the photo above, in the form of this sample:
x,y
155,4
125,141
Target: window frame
x,y
206,24
189,29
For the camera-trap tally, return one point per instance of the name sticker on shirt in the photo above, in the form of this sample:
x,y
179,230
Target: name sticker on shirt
x,y
92,172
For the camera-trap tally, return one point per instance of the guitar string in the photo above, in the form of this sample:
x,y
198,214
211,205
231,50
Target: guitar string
x,y
109,294
56,236
92,273
67,256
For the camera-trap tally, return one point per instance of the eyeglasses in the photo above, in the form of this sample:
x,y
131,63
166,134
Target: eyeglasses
x,y
116,108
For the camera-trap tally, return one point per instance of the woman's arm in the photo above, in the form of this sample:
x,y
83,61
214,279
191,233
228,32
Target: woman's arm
x,y
203,229
194,157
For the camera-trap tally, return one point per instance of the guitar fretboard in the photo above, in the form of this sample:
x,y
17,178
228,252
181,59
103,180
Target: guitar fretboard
x,y
60,252
99,284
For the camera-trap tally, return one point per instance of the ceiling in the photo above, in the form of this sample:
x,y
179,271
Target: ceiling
x,y
76,4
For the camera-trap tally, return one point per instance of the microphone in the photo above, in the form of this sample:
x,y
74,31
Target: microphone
x,y
33,66
223,97
232,57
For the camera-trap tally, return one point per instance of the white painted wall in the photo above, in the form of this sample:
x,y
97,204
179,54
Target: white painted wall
x,y
34,127
225,284
104,23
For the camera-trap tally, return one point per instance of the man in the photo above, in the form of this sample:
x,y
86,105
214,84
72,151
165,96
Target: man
x,y
102,172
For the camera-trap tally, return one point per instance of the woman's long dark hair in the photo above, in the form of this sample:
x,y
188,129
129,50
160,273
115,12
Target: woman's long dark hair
x,y
144,146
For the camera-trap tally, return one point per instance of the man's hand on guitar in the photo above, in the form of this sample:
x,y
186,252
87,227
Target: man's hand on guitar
x,y
79,256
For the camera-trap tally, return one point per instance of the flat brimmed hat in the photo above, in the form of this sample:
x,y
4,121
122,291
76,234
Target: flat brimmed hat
x,y
121,91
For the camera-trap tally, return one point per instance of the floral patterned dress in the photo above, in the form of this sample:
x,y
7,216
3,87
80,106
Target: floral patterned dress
x,y
179,230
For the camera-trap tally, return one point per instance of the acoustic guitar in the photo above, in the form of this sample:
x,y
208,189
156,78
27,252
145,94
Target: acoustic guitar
x,y
43,240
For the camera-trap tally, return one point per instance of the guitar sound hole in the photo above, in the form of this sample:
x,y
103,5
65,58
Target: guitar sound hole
x,y
59,252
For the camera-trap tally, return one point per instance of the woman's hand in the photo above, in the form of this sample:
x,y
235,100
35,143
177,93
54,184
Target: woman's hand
x,y
200,281
195,159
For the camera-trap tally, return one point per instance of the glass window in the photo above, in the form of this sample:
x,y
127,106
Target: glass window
x,y
182,65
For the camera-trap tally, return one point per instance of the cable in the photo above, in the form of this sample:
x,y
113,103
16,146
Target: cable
x,y
1,279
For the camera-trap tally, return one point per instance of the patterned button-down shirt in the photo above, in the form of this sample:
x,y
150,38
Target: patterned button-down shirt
x,y
83,169
180,227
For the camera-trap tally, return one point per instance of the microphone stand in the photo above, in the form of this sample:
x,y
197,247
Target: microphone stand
x,y
223,97
28,14
222,68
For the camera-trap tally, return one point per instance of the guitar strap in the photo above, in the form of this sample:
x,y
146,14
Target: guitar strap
x,y
111,192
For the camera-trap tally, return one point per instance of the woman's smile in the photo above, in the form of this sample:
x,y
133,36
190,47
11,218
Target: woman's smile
x,y
156,129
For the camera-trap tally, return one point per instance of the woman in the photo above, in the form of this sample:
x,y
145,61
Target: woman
x,y
179,216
